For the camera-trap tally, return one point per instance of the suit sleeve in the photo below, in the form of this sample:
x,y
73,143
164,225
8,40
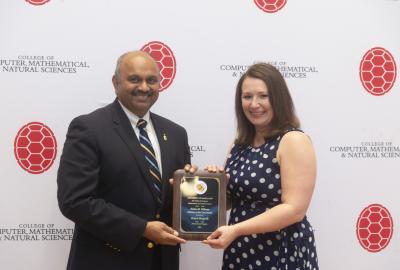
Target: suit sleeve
x,y
187,150
78,179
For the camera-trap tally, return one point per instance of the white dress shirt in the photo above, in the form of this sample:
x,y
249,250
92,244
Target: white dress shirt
x,y
150,131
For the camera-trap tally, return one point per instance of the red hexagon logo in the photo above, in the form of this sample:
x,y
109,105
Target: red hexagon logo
x,y
378,71
37,2
35,147
165,60
270,6
374,228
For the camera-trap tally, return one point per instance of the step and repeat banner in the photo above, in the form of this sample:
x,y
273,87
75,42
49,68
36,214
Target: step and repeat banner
x,y
340,60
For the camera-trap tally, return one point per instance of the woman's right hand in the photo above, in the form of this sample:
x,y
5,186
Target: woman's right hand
x,y
222,237
214,169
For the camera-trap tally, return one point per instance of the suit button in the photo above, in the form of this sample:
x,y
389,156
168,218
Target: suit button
x,y
158,216
150,245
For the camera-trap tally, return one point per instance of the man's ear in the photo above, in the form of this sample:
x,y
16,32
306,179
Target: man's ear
x,y
115,82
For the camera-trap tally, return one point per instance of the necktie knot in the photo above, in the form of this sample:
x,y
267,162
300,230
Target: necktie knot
x,y
141,123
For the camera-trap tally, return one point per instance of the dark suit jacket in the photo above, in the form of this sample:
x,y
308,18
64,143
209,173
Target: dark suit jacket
x,y
104,186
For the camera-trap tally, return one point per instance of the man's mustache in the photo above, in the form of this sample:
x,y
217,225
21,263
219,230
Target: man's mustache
x,y
138,92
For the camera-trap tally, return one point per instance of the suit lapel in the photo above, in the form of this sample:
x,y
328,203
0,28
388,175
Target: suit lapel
x,y
124,129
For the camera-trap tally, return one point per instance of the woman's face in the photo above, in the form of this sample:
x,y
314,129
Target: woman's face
x,y
256,104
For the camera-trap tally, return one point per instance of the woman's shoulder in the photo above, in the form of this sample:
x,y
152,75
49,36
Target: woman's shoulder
x,y
277,138
291,130
295,138
236,148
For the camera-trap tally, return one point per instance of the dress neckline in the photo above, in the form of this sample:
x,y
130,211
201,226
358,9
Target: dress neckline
x,y
258,147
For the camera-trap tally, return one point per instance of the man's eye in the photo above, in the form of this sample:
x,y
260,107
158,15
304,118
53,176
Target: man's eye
x,y
152,80
134,79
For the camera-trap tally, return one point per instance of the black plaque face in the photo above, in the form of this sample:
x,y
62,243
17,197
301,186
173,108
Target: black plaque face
x,y
199,203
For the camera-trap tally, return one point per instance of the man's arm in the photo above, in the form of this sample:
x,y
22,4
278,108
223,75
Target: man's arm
x,y
78,180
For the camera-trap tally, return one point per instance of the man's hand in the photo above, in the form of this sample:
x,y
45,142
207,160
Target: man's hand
x,y
161,233
188,168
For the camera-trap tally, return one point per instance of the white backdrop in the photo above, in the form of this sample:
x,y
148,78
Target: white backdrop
x,y
318,46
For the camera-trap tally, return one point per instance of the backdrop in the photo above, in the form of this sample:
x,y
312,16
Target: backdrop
x,y
338,57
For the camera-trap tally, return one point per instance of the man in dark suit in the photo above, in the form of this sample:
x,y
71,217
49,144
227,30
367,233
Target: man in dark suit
x,y
120,204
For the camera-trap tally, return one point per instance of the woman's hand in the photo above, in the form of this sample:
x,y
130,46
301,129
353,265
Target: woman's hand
x,y
214,169
217,169
222,237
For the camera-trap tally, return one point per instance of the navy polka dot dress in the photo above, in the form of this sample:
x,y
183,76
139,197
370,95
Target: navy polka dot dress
x,y
254,187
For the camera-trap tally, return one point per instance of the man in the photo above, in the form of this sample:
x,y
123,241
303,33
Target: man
x,y
116,193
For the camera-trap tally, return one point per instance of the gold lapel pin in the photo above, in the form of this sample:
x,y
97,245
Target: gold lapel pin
x,y
165,137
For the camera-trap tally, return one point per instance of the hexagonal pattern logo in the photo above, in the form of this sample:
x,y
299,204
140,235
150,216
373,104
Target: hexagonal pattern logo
x,y
35,147
165,60
374,228
270,6
378,71
37,2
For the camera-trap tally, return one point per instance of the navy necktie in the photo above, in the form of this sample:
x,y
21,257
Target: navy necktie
x,y
150,156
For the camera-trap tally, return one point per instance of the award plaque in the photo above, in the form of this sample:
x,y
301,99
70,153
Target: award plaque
x,y
199,205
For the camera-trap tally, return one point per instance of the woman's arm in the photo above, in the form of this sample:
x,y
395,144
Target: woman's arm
x,y
298,172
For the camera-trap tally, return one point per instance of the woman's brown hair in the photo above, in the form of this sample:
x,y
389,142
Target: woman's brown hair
x,y
284,116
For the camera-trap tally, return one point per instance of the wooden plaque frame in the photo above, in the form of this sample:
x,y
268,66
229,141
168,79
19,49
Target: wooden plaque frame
x,y
194,197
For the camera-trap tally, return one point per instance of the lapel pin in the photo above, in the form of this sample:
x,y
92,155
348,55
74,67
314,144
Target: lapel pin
x,y
165,137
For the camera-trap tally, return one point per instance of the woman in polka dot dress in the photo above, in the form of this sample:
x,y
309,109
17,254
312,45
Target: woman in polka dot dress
x,y
272,171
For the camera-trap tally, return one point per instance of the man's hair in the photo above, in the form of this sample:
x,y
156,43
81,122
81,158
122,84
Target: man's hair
x,y
121,59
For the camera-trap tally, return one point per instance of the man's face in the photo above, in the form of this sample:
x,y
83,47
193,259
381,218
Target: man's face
x,y
137,83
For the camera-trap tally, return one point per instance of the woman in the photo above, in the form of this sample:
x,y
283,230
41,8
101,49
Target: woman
x,y
272,169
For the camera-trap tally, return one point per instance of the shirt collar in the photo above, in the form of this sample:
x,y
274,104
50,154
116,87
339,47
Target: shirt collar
x,y
133,118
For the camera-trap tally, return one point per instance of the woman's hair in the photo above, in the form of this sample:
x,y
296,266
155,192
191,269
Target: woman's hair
x,y
284,115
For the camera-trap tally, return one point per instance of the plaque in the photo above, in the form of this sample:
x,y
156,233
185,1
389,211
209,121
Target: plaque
x,y
199,203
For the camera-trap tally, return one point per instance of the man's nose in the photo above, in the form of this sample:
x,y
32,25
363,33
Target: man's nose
x,y
144,86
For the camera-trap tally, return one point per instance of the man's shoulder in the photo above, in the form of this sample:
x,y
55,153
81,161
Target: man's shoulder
x,y
165,122
97,116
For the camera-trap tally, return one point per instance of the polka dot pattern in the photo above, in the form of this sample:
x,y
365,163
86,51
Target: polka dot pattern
x,y
255,188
